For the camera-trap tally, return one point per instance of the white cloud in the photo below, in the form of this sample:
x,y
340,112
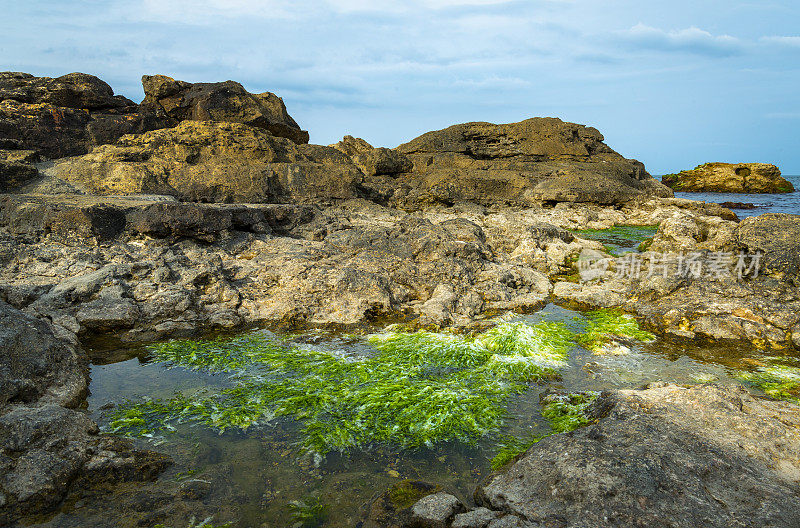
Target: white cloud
x,y
792,42
691,40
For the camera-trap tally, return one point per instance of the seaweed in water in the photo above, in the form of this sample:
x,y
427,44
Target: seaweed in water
x,y
603,327
418,389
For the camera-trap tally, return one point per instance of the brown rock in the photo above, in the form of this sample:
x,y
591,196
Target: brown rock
x,y
540,159
730,178
224,101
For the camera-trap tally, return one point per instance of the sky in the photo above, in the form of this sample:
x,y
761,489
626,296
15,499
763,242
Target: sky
x,y
671,83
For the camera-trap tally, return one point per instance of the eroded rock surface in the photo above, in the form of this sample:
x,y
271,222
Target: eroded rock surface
x,y
540,159
227,101
702,456
730,178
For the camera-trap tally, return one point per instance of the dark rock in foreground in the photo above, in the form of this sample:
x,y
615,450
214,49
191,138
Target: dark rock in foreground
x,y
748,178
540,159
46,446
667,456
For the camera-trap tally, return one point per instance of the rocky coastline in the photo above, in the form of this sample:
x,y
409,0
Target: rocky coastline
x,y
205,208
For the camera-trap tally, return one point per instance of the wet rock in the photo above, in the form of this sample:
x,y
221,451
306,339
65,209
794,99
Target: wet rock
x,y
730,178
392,509
738,205
540,159
435,511
707,455
215,162
223,101
477,518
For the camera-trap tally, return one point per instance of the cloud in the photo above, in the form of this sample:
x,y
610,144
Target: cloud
x,y
790,42
691,40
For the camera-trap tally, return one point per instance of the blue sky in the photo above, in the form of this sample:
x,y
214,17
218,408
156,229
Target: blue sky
x,y
673,84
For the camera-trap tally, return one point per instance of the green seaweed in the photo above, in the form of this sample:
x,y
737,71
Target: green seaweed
x,y
563,412
309,512
779,382
419,388
604,326
620,239
568,412
406,492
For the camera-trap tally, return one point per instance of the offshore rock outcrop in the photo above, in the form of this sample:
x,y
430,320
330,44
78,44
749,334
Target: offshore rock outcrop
x,y
730,178
665,456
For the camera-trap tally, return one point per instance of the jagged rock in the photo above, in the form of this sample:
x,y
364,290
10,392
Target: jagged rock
x,y
540,159
730,178
703,456
215,162
224,101
64,116
374,161
15,174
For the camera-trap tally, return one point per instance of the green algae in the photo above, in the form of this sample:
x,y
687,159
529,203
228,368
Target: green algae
x,y
603,327
406,492
419,389
620,239
779,382
309,512
563,412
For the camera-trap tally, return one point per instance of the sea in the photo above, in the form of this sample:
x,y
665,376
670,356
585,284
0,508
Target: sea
x,y
765,203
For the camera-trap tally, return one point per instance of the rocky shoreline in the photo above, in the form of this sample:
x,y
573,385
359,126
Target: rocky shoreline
x,y
205,209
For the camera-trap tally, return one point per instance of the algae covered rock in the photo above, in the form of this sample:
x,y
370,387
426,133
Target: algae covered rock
x,y
207,161
223,101
702,456
63,116
539,159
730,178
777,237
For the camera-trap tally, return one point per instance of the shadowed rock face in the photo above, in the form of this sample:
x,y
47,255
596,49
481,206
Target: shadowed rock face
x,y
540,159
224,101
666,456
46,446
731,178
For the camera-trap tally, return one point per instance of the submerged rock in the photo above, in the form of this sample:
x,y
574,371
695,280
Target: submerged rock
x,y
703,456
730,178
540,159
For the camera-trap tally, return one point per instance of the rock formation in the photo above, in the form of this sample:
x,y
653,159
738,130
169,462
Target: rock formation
x,y
730,178
537,160
665,456
226,102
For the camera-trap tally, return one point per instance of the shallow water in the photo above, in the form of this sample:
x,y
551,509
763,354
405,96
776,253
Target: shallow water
x,y
765,203
261,468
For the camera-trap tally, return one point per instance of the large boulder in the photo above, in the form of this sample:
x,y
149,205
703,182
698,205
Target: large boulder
x,y
215,162
666,456
64,116
223,101
533,161
730,178
374,161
